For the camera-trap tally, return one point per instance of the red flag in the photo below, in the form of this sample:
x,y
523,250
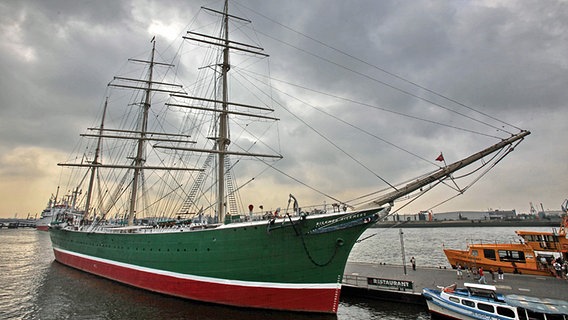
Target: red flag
x,y
440,157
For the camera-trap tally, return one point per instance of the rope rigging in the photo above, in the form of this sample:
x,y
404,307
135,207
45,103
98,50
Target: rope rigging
x,y
349,100
368,64
379,108
192,122
364,131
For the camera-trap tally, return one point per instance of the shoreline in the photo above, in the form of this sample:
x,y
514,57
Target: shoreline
x,y
468,223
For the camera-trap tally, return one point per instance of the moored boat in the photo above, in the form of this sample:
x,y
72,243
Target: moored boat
x,y
47,216
54,213
478,301
209,249
551,241
510,257
62,210
534,254
288,264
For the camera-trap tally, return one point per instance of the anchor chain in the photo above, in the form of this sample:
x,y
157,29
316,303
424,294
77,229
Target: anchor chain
x,y
338,243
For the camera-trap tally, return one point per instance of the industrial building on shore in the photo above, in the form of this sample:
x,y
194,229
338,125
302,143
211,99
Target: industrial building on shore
x,y
472,215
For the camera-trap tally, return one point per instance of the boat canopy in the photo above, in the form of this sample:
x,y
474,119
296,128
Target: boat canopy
x,y
544,305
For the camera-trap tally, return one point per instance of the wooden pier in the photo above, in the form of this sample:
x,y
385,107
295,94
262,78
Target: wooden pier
x,y
388,282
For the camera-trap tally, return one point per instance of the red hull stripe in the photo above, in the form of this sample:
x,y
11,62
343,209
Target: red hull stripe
x,y
43,228
279,296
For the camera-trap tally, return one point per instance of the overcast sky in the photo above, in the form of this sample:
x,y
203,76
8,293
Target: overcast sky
x,y
507,59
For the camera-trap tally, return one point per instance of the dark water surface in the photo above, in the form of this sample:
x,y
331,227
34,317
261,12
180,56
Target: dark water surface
x,y
34,286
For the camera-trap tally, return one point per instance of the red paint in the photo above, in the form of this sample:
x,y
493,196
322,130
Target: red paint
x,y
43,228
307,300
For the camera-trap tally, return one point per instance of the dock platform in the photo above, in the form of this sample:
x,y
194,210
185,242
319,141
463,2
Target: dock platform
x,y
388,282
14,223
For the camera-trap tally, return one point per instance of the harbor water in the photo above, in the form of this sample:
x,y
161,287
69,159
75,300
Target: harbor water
x,y
34,286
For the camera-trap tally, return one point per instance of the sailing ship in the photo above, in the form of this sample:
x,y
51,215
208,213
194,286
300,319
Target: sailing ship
x,y
207,250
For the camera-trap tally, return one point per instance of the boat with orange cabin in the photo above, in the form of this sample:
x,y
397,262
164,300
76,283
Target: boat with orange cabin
x,y
510,257
553,241
533,255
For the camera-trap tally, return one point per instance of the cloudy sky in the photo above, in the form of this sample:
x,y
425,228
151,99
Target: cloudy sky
x,y
506,59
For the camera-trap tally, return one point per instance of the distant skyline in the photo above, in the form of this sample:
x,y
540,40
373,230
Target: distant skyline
x,y
508,59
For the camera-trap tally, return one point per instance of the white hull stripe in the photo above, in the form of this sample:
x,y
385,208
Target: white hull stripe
x,y
241,283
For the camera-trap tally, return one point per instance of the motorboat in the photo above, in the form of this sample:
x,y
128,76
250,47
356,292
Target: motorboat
x,y
479,301
516,258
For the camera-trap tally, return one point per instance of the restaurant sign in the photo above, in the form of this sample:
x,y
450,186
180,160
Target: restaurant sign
x,y
399,284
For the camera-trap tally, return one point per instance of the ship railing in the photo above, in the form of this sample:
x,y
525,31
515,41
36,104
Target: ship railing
x,y
486,241
185,225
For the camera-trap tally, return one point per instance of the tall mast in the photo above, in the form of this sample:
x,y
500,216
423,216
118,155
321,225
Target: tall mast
x,y
95,162
139,160
223,139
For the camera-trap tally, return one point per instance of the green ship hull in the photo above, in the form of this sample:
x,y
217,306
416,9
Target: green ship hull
x,y
288,264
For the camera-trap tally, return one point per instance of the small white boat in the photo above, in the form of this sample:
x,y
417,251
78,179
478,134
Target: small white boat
x,y
478,301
